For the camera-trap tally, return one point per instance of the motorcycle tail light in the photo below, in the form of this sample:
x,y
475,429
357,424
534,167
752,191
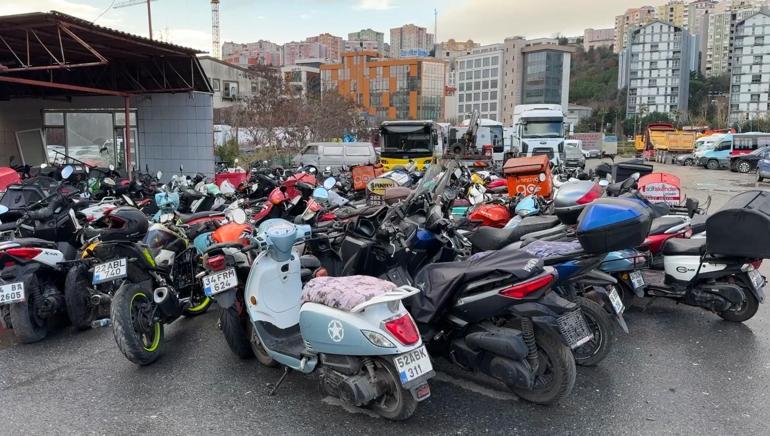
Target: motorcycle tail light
x,y
276,197
24,253
591,195
521,290
216,263
403,329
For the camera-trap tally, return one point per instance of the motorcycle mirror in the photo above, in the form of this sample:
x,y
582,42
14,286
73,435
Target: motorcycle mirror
x,y
237,216
66,172
159,174
320,194
604,183
112,167
330,182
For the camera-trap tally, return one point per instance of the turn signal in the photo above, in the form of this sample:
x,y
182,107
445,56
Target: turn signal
x,y
24,253
521,290
403,329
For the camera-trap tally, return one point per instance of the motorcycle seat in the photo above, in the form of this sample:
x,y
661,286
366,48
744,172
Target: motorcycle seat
x,y
684,247
491,238
698,224
35,242
344,293
194,216
660,225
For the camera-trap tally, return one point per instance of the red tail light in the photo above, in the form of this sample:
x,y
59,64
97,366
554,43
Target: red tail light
x,y
24,253
757,263
403,329
593,194
216,263
521,290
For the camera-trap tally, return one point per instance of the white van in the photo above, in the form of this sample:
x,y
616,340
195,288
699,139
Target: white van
x,y
336,154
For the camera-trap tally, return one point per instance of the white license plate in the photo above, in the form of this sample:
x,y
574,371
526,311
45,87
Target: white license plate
x,y
413,364
637,279
756,279
617,303
11,293
108,271
220,282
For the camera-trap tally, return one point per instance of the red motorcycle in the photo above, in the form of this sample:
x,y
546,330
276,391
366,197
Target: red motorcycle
x,y
289,199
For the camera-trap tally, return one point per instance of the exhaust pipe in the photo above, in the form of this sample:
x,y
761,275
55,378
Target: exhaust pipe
x,y
100,299
167,302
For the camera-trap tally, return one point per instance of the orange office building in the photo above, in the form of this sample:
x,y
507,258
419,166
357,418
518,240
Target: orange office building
x,y
389,89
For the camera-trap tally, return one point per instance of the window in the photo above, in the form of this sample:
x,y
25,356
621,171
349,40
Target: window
x,y
485,95
477,74
493,106
476,85
476,96
462,75
230,90
754,98
462,86
310,149
757,60
493,95
485,73
486,62
493,83
485,107
493,72
253,87
469,64
461,98
756,78
494,60
653,46
215,85
477,63
651,100
653,82
333,150
759,40
357,151
485,84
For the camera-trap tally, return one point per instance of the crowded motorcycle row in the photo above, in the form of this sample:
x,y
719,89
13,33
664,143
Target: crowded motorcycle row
x,y
365,277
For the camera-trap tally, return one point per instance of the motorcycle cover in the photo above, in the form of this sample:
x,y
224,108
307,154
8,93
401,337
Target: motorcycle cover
x,y
442,283
740,227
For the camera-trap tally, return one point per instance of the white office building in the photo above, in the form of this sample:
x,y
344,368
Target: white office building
x,y
655,66
750,76
479,78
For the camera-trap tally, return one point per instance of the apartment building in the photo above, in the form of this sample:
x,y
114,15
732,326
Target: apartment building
x,y
335,45
595,38
479,77
410,40
293,53
253,53
654,67
673,12
389,89
632,18
750,74
721,27
366,40
697,24
302,80
534,71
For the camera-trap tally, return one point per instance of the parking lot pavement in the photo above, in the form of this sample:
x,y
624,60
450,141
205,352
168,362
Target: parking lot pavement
x,y
680,370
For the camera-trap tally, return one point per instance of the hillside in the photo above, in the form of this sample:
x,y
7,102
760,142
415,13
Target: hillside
x,y
593,83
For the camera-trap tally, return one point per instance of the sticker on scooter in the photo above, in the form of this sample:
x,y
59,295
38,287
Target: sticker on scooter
x,y
336,332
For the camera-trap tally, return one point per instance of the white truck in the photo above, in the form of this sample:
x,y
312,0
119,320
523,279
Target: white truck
x,y
539,129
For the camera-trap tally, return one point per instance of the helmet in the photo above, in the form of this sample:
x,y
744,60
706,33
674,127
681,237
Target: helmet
x,y
124,224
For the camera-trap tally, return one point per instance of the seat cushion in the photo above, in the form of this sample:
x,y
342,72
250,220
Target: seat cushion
x,y
194,216
684,247
490,238
35,242
344,293
660,225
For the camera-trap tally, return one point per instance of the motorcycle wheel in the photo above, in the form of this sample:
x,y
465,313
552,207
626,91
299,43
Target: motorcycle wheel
x,y
747,310
137,336
556,374
595,350
200,307
27,326
76,296
236,333
259,350
398,404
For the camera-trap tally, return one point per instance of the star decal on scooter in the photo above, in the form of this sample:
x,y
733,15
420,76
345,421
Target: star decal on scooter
x,y
336,332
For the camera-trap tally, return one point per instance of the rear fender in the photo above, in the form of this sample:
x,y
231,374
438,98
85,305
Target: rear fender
x,y
758,293
18,270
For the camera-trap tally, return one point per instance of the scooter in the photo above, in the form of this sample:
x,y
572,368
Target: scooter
x,y
354,331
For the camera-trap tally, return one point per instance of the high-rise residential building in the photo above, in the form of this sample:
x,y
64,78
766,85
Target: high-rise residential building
x,y
673,12
335,45
253,53
750,75
366,39
697,24
595,38
655,69
479,82
410,40
299,52
389,89
721,25
631,19
534,72
449,51
302,80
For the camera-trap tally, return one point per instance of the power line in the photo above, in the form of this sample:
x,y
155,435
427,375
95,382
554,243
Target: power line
x,y
104,12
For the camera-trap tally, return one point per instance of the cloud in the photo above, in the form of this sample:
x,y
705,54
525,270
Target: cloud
x,y
375,5
80,10
192,38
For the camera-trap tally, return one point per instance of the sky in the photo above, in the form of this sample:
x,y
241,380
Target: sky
x,y
188,22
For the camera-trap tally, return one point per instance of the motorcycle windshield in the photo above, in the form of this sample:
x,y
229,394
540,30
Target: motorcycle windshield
x,y
158,238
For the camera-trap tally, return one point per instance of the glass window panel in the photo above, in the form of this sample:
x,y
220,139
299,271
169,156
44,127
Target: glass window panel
x,y
53,119
90,137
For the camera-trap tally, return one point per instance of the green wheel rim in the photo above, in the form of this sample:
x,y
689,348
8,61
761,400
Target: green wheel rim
x,y
155,342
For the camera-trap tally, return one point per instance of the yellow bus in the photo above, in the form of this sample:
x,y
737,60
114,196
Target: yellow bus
x,y
403,142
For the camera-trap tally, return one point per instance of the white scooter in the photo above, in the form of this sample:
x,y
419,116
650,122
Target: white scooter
x,y
354,331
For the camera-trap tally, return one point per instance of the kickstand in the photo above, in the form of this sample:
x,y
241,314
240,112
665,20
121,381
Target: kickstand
x,y
280,381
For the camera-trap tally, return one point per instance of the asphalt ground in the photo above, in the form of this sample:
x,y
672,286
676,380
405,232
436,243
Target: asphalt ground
x,y
681,370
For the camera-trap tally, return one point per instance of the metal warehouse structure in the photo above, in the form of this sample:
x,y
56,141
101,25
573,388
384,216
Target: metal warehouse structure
x,y
69,85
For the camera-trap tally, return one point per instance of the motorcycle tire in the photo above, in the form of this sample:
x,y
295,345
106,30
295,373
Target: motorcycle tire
x,y
259,350
600,323
236,333
556,374
77,298
198,309
398,404
746,311
138,345
27,326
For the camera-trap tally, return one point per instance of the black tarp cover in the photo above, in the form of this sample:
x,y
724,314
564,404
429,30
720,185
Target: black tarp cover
x,y
442,282
741,228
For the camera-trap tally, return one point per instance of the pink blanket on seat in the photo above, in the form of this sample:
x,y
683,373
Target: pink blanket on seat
x,y
344,293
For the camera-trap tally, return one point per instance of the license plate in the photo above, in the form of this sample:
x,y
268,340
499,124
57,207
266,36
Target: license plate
x,y
11,293
637,280
617,303
574,328
219,282
756,279
108,271
413,364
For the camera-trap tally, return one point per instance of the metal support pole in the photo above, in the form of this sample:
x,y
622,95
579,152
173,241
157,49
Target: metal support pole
x,y
149,18
127,135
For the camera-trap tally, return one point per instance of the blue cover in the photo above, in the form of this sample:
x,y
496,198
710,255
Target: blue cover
x,y
605,214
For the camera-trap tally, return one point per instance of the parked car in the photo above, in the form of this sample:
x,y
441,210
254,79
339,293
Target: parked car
x,y
686,159
719,156
763,169
748,162
336,154
573,158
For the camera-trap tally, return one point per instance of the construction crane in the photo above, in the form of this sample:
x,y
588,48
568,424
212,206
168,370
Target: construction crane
x,y
215,29
128,3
